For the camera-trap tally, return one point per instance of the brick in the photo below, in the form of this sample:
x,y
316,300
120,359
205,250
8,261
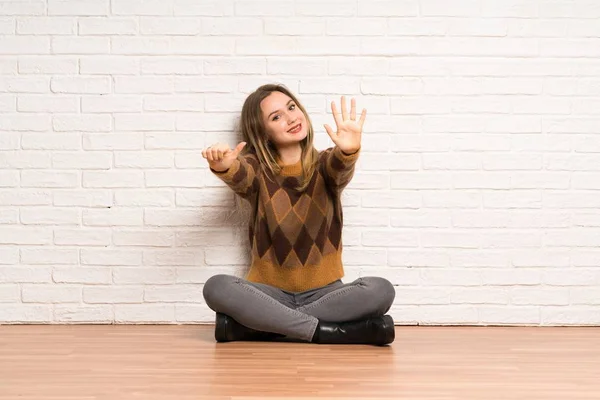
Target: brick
x,y
502,315
113,294
173,103
20,313
26,84
111,104
111,257
170,26
188,313
82,237
25,197
25,274
7,26
217,8
173,65
198,238
129,45
437,8
174,294
8,103
113,141
49,216
226,256
580,315
239,26
49,256
477,27
144,275
49,179
87,85
9,178
80,45
27,45
362,257
147,159
363,66
23,8
142,7
157,217
46,26
109,65
314,8
149,313
144,122
83,314
78,7
144,197
116,216
390,238
83,198
294,26
9,293
357,217
48,104
144,84
107,26
85,275
82,123
174,257
8,217
113,179
146,238
293,66
539,296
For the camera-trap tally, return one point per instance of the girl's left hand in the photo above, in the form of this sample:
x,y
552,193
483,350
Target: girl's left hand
x,y
349,131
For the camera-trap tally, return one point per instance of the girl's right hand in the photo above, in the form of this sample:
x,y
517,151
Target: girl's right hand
x,y
220,156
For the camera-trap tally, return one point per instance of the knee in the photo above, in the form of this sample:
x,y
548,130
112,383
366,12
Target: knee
x,y
216,289
382,290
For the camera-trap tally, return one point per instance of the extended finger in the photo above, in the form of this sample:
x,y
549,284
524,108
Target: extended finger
x,y
344,110
238,148
336,115
353,109
363,115
329,132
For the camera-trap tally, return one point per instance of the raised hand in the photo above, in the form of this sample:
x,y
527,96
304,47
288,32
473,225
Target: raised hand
x,y
220,156
349,131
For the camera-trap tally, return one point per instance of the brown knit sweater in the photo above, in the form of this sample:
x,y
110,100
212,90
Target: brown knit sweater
x,y
296,237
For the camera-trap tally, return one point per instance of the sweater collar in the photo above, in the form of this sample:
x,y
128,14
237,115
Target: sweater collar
x,y
290,169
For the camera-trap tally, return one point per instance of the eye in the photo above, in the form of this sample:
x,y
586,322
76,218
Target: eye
x,y
276,118
292,107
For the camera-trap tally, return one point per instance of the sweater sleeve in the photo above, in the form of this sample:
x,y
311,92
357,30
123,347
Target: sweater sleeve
x,y
241,177
338,167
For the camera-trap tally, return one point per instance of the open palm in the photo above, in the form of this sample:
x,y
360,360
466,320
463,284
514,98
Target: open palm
x,y
349,130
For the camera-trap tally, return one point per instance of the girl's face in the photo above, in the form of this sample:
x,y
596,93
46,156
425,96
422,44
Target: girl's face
x,y
284,121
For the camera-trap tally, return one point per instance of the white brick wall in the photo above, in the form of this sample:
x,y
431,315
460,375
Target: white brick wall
x,y
477,193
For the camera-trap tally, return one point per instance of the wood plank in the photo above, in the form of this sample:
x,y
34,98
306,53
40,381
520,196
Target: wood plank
x,y
65,362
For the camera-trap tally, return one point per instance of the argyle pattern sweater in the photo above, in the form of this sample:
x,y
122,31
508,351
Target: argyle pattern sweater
x,y
295,237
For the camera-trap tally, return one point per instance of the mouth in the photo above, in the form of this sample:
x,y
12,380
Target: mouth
x,y
295,129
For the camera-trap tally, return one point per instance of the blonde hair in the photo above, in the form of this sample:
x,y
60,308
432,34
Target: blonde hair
x,y
252,130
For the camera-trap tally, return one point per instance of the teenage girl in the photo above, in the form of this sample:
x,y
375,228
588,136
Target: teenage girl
x,y
293,288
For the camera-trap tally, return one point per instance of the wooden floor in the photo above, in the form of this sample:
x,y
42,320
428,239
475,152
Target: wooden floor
x,y
84,362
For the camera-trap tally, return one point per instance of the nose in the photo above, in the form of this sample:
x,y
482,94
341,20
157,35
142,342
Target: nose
x,y
291,118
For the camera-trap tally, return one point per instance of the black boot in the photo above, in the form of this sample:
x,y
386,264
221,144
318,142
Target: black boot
x,y
375,330
228,329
